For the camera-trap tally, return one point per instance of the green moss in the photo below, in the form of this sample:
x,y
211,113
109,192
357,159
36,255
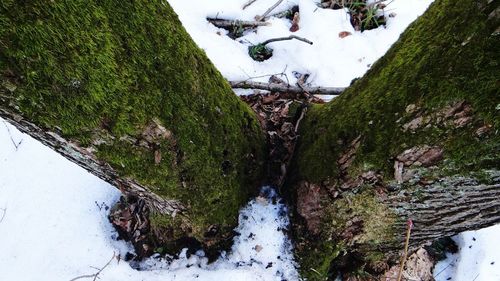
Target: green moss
x,y
449,54
377,218
315,266
81,67
377,230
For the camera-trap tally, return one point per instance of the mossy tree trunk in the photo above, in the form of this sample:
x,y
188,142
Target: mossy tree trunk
x,y
120,88
416,138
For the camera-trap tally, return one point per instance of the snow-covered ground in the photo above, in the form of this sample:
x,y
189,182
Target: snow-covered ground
x,y
53,214
53,226
331,60
478,258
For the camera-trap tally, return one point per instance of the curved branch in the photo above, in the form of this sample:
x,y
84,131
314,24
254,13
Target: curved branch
x,y
286,38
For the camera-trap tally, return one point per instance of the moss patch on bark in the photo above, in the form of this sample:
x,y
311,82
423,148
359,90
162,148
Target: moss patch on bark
x,y
448,57
98,72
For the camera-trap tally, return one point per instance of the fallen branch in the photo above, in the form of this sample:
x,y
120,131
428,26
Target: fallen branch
x,y
222,23
286,38
95,275
273,87
263,17
250,2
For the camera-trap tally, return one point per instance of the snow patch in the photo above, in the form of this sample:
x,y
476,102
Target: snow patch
x,y
332,61
478,257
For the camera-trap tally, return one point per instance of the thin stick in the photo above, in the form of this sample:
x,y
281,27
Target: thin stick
x,y
268,75
407,242
302,114
222,23
248,4
286,38
16,145
95,275
263,17
273,87
442,270
4,210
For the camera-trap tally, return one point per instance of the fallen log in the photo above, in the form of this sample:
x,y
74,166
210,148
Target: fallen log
x,y
274,87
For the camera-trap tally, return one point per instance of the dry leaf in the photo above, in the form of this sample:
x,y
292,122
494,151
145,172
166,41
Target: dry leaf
x,y
295,22
258,248
344,34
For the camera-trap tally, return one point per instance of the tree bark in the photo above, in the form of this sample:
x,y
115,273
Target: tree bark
x,y
83,158
100,82
416,138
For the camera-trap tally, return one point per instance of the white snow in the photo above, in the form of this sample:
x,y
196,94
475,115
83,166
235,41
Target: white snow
x,y
54,226
331,61
53,214
478,258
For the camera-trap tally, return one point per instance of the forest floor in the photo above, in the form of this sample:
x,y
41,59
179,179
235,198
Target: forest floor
x,y
53,214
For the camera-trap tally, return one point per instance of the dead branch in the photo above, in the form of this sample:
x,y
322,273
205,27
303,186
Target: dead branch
x,y
263,17
95,275
222,23
250,2
286,38
16,145
273,87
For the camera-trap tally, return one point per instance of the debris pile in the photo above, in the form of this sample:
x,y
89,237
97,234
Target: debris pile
x,y
280,115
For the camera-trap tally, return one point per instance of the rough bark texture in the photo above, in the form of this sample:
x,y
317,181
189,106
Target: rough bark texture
x,y
119,88
416,138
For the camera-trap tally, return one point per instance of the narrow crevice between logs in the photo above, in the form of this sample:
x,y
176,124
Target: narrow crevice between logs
x,y
280,114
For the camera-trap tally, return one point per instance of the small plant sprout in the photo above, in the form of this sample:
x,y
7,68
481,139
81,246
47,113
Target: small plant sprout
x,y
365,15
260,52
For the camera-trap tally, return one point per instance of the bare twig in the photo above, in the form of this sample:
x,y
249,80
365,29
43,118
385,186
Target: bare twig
x,y
250,2
222,23
4,211
282,73
442,270
405,254
302,114
96,275
286,38
263,17
273,87
16,145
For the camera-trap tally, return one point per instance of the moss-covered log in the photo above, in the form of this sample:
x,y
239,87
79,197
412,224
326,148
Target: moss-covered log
x,y
121,89
416,138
